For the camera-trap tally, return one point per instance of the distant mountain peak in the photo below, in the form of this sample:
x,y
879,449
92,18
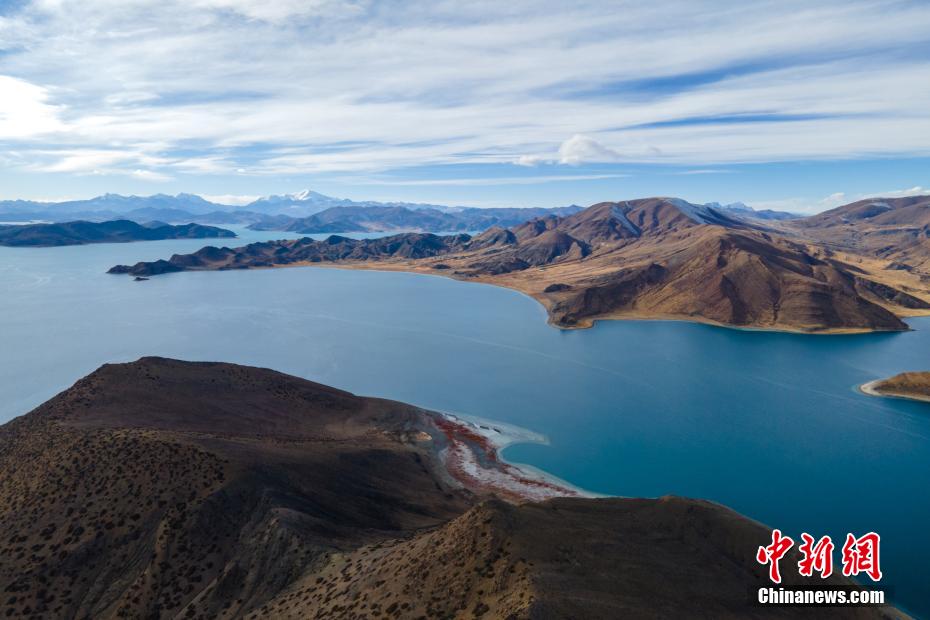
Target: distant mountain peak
x,y
305,194
741,209
732,206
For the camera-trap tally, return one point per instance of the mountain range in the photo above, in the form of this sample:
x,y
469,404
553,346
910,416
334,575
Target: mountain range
x,y
182,207
307,202
397,218
658,258
169,489
745,211
303,212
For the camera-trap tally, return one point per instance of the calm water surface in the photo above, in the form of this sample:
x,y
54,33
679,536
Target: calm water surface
x,y
769,424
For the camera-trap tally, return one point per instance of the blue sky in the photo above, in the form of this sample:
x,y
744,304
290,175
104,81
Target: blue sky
x,y
793,105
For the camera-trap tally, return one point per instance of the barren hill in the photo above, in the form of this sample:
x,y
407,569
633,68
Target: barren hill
x,y
648,258
908,211
162,488
910,385
168,489
895,231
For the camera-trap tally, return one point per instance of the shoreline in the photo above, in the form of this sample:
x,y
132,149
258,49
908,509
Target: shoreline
x,y
587,322
469,450
869,389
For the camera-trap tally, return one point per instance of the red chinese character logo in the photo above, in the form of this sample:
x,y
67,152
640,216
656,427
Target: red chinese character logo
x,y
817,557
860,555
773,553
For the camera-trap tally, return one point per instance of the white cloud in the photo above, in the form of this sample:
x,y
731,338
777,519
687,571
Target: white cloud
x,y
532,160
83,161
129,98
917,190
527,180
583,149
24,111
805,206
230,199
282,10
295,86
704,171
833,200
149,175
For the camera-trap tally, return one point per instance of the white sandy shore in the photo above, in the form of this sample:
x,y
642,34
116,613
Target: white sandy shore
x,y
870,389
482,468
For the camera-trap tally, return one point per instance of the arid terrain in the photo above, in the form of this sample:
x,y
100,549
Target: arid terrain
x,y
168,489
862,267
910,385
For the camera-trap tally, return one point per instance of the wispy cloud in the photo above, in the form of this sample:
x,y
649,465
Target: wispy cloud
x,y
170,88
150,175
704,171
527,180
900,193
802,205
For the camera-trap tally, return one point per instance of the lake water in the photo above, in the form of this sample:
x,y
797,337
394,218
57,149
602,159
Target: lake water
x,y
768,424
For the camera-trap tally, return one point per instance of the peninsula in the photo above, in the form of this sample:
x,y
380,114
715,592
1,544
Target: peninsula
x,y
162,488
116,231
910,385
661,258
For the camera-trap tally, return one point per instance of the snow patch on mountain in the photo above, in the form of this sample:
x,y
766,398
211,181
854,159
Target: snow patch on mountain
x,y
619,214
696,213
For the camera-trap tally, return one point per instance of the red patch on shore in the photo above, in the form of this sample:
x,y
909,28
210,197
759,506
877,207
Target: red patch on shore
x,y
502,479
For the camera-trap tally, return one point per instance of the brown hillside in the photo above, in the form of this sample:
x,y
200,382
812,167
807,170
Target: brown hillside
x,y
896,231
167,489
908,211
564,558
164,488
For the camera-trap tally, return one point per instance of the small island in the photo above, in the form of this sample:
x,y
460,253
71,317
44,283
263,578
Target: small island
x,y
909,385
115,231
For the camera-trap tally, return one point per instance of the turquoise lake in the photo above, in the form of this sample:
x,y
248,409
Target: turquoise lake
x,y
769,424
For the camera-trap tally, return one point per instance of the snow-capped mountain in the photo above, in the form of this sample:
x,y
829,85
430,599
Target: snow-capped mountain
x,y
741,209
308,202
